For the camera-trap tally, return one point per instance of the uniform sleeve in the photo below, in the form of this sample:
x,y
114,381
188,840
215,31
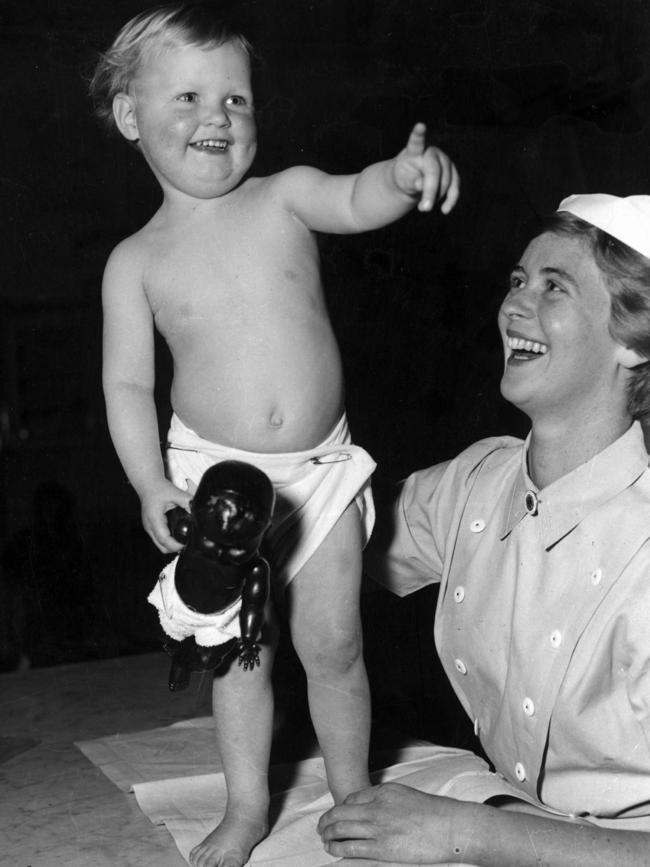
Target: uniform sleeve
x,y
414,533
405,552
638,648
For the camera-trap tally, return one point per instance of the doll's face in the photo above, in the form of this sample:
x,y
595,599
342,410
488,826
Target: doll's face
x,y
231,511
229,528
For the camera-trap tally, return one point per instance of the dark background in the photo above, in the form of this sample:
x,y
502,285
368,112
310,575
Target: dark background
x,y
533,99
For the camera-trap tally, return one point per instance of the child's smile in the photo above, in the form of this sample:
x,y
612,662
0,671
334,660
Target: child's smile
x,y
191,111
210,145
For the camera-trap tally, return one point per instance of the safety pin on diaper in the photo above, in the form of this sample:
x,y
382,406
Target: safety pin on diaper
x,y
169,610
180,448
335,458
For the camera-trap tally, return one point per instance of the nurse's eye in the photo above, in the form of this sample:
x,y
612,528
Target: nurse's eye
x,y
553,287
187,97
516,282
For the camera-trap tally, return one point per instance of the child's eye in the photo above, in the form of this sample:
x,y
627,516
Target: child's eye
x,y
236,100
187,97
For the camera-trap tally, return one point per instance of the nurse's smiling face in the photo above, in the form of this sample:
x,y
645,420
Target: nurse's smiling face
x,y
560,358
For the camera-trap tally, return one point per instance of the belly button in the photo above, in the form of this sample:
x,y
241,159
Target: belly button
x,y
276,420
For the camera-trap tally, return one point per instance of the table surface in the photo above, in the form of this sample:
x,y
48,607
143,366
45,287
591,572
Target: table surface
x,y
57,808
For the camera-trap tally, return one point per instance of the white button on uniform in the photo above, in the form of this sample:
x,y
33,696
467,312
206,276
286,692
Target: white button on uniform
x,y
528,706
477,526
461,668
459,594
477,727
556,638
520,772
596,575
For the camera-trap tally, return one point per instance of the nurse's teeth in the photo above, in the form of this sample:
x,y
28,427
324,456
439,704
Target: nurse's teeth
x,y
518,343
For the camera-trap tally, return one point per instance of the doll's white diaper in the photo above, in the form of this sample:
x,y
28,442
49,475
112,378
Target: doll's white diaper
x,y
179,622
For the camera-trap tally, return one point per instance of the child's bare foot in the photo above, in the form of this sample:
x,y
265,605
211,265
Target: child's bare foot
x,y
231,842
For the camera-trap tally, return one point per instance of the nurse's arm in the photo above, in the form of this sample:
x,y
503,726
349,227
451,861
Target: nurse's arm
x,y
401,825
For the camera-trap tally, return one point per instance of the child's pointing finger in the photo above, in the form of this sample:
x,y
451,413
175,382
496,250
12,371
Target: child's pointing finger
x,y
416,144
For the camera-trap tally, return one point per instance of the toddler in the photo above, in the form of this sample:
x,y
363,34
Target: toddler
x,y
227,270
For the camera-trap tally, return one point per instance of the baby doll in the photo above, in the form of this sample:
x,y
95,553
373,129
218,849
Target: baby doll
x,y
211,598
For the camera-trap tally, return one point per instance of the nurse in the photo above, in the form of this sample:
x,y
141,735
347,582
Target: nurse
x,y
542,551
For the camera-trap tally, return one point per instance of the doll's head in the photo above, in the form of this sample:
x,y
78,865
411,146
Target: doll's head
x,y
231,511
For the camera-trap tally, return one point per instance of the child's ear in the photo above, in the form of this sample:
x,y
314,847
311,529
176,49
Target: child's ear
x,y
124,114
629,358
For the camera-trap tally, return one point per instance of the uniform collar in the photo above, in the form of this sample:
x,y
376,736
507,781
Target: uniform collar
x,y
562,505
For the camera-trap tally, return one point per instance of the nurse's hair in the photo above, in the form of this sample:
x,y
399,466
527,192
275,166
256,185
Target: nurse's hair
x,y
627,275
149,34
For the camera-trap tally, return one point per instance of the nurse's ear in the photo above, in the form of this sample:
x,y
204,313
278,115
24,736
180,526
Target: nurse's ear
x,y
629,358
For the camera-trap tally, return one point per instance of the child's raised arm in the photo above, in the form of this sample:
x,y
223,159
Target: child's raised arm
x,y
380,194
128,378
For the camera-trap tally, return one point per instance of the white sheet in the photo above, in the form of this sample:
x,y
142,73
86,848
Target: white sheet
x,y
175,776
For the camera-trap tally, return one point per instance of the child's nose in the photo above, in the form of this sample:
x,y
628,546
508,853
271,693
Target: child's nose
x,y
216,114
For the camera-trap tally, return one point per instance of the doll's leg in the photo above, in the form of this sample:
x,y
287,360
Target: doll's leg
x,y
243,715
326,631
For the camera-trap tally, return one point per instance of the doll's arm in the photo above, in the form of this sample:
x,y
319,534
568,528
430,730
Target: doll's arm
x,y
251,618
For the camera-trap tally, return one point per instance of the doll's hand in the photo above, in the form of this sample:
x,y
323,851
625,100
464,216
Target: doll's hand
x,y
156,502
426,172
179,521
249,654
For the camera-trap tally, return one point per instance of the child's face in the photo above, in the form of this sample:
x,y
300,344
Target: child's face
x,y
559,354
191,109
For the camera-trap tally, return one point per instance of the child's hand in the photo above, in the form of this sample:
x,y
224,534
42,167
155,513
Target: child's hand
x,y
155,505
426,172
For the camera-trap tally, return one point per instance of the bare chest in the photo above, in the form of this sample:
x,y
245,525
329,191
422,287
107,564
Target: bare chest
x,y
233,271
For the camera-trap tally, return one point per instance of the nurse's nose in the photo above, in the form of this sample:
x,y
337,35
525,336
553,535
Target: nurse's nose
x,y
519,303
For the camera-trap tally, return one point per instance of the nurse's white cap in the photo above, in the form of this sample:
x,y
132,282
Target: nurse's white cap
x,y
626,219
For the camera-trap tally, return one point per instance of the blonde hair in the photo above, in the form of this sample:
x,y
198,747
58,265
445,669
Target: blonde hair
x,y
148,34
627,274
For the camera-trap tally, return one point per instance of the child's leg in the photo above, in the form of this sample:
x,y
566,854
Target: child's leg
x,y
326,632
243,713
